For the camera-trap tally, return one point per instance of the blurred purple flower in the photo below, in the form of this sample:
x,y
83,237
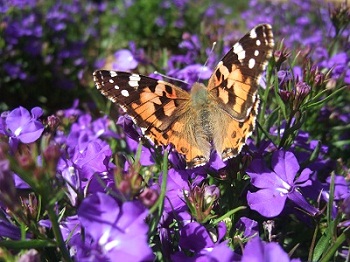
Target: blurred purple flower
x,y
346,207
203,246
8,230
192,73
24,126
257,250
190,42
85,131
341,188
8,193
277,185
115,230
147,154
125,60
15,71
337,63
248,226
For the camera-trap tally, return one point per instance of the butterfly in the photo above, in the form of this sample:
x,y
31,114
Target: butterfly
x,y
220,115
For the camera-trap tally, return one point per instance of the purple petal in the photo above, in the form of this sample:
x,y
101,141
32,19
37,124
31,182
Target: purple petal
x,y
259,251
300,201
304,176
37,112
17,118
9,230
341,187
23,126
176,184
267,202
221,230
31,132
271,181
215,161
253,251
274,253
98,213
195,237
249,226
221,252
258,167
133,214
285,165
125,60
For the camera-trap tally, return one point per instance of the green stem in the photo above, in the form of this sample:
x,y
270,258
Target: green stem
x,y
160,202
313,242
330,252
231,212
58,235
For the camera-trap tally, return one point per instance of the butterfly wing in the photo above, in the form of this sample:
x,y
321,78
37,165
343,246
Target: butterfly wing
x,y
234,86
159,108
234,83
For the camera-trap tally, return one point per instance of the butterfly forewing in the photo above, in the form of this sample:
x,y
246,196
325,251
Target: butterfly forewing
x,y
221,115
154,105
235,80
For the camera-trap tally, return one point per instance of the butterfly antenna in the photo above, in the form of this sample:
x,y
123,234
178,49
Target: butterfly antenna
x,y
206,61
169,77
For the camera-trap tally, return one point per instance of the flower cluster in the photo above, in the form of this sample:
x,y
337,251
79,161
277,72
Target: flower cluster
x,y
80,187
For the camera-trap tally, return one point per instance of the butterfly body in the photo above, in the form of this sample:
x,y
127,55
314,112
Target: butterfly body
x,y
220,115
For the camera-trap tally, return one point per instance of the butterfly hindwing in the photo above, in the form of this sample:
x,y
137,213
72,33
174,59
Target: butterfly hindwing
x,y
235,80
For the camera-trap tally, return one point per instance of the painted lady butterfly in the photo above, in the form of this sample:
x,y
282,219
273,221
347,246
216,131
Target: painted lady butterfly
x,y
221,115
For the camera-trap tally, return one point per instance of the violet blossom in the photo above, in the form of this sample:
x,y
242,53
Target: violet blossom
x,y
115,230
277,185
125,60
22,126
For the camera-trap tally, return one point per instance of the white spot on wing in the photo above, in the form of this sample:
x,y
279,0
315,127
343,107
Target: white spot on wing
x,y
256,52
251,63
111,81
258,42
253,34
135,77
125,93
134,80
112,73
116,87
238,49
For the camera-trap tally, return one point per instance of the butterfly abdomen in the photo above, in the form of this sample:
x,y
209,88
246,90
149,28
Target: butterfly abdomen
x,y
201,104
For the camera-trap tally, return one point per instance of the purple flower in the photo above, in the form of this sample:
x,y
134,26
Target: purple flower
x,y
85,131
115,230
93,159
71,176
8,230
196,239
24,126
277,185
341,188
192,73
259,251
125,60
248,226
177,184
